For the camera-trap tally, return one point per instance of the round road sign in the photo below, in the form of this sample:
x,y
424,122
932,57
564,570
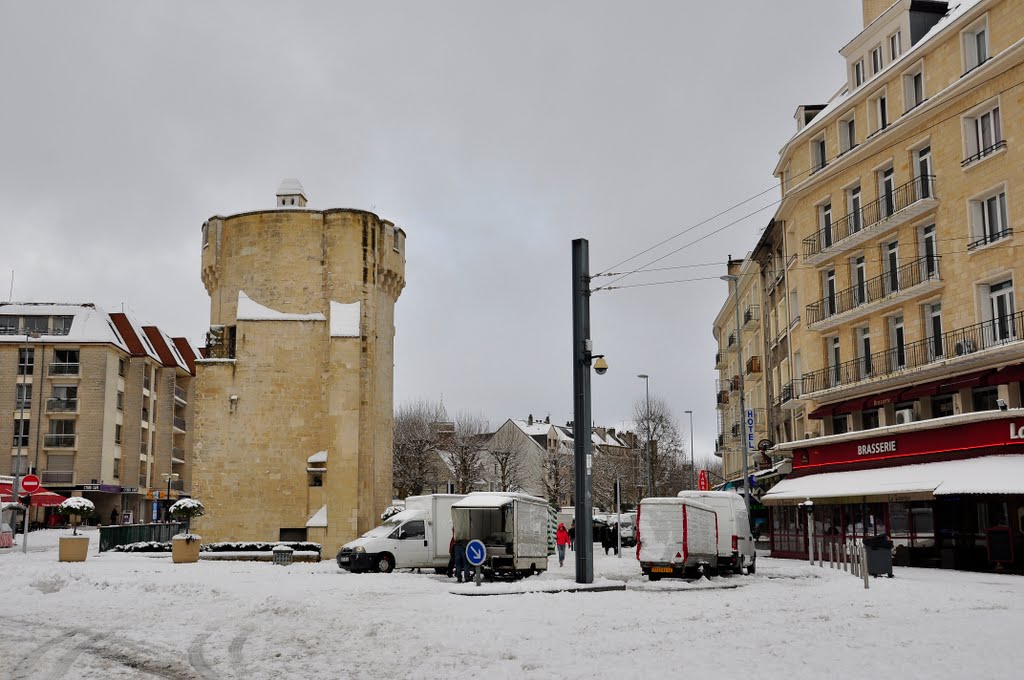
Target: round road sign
x,y
475,552
30,483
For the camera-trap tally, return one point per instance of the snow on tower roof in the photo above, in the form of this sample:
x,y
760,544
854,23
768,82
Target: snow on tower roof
x,y
319,519
291,187
248,310
318,457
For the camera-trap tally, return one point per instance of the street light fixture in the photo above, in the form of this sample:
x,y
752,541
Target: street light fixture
x,y
650,470
23,436
692,469
735,280
169,476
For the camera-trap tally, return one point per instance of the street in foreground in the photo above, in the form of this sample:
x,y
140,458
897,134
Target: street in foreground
x,y
131,616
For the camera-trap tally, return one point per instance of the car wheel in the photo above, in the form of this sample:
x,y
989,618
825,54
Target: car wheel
x,y
654,577
385,563
753,566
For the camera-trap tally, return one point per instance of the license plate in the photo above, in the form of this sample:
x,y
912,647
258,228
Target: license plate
x,y
662,570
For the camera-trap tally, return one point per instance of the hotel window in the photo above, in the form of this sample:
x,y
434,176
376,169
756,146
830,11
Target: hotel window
x,y
988,220
983,134
895,46
878,105
26,360
864,352
853,204
23,395
876,59
819,157
933,330
21,430
897,343
913,87
825,224
834,362
1000,324
975,46
847,133
929,251
858,73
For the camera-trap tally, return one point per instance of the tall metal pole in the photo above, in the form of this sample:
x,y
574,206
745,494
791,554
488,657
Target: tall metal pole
x,y
582,355
650,468
22,436
743,410
692,484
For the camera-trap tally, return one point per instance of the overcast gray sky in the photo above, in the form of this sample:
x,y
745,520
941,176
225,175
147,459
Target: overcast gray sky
x,y
492,133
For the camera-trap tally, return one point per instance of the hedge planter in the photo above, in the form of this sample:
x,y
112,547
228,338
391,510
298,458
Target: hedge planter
x,y
73,548
185,548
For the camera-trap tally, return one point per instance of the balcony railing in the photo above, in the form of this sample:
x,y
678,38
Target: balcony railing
x,y
180,394
56,405
179,423
874,289
949,345
54,477
753,313
142,481
145,382
754,364
719,360
59,441
990,238
723,398
789,391
901,198
987,151
64,368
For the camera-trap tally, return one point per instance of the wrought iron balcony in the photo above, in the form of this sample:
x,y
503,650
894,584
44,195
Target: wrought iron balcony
x,y
723,398
990,238
64,369
60,441
57,405
732,339
752,314
987,151
754,364
894,361
903,203
861,298
789,392
179,423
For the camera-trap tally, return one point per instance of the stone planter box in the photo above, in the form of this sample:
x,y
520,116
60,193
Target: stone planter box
x,y
73,548
184,551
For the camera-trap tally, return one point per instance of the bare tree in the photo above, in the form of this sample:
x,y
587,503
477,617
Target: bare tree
x,y
611,463
657,427
416,466
506,449
558,475
464,451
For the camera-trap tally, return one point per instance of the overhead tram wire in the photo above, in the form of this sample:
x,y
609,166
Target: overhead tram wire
x,y
662,283
809,171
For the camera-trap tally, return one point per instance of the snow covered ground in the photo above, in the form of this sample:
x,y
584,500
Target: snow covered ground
x,y
132,616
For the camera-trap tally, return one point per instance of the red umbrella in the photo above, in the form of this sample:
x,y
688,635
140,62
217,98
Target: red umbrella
x,y
41,497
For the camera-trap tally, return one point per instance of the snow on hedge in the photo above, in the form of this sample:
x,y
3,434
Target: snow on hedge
x,y
187,507
76,505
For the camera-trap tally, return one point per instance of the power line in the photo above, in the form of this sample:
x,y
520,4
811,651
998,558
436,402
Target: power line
x,y
662,269
661,283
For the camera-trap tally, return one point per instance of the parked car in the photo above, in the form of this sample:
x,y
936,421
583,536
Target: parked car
x,y
676,537
735,539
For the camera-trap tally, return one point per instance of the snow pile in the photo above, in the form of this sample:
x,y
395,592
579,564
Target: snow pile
x,y
187,506
248,310
344,320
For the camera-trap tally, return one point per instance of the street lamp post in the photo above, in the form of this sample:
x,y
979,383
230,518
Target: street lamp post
x,y
23,437
650,469
739,374
692,485
169,476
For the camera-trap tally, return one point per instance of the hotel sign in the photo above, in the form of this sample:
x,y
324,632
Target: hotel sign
x,y
918,445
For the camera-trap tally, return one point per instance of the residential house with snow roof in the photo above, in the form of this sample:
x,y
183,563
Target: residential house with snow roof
x,y
102,406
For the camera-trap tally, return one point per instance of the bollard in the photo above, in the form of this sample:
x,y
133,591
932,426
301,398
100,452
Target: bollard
x,y
478,577
864,566
821,551
842,554
831,562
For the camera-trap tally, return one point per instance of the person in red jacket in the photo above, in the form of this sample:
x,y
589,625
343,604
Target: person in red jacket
x,y
562,540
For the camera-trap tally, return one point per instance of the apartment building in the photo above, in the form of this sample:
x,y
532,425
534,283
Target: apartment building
x,y
101,406
895,375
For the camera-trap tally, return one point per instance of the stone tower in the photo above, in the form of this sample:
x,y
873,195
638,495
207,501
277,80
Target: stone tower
x,y
294,402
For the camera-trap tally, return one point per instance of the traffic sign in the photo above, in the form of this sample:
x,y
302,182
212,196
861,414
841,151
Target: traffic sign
x,y
30,484
475,552
702,481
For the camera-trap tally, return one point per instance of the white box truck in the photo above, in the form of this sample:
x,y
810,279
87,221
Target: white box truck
x,y
513,528
735,540
676,537
416,538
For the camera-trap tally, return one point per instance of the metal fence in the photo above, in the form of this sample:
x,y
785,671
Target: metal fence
x,y
113,536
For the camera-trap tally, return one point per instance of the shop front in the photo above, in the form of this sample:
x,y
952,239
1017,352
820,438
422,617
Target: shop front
x,y
949,492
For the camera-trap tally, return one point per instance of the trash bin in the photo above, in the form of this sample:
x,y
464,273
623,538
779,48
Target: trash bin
x,y
283,555
879,552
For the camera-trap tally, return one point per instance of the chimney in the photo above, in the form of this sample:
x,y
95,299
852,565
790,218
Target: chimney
x,y
874,9
529,421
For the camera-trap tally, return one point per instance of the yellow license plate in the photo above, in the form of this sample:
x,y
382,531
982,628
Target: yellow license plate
x,y
661,570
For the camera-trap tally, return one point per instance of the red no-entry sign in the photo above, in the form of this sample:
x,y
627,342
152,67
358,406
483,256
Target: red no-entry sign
x,y
30,484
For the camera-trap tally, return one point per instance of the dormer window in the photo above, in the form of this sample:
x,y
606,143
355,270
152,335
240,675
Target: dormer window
x,y
895,46
876,60
858,73
975,42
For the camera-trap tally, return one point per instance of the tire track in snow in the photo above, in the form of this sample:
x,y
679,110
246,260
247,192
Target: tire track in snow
x,y
235,648
198,661
63,665
28,663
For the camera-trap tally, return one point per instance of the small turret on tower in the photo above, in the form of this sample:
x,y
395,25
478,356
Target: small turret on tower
x,y
291,194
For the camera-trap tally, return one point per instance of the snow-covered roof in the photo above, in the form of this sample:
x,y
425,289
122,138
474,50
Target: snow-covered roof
x,y
319,518
494,499
537,428
290,187
987,475
318,457
88,324
344,320
248,310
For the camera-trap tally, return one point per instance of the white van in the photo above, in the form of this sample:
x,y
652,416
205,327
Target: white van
x,y
676,537
416,538
735,540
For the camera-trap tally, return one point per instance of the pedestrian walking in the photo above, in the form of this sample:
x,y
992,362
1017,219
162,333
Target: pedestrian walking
x,y
113,516
562,540
462,565
451,556
572,536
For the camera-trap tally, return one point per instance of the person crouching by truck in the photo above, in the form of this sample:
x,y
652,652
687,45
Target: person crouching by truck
x,y
562,540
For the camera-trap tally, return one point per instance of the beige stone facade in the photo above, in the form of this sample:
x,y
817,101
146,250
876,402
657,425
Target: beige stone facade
x,y
103,404
299,365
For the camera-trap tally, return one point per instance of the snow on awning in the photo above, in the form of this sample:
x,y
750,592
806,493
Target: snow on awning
x,y
344,320
318,457
483,501
248,310
319,518
986,475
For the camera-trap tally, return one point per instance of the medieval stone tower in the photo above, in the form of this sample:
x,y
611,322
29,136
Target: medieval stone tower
x,y
294,403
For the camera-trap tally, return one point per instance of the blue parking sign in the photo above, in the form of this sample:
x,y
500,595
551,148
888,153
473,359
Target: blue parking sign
x,y
475,552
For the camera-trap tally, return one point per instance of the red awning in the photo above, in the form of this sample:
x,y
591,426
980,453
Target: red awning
x,y
821,412
41,497
879,400
1006,375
